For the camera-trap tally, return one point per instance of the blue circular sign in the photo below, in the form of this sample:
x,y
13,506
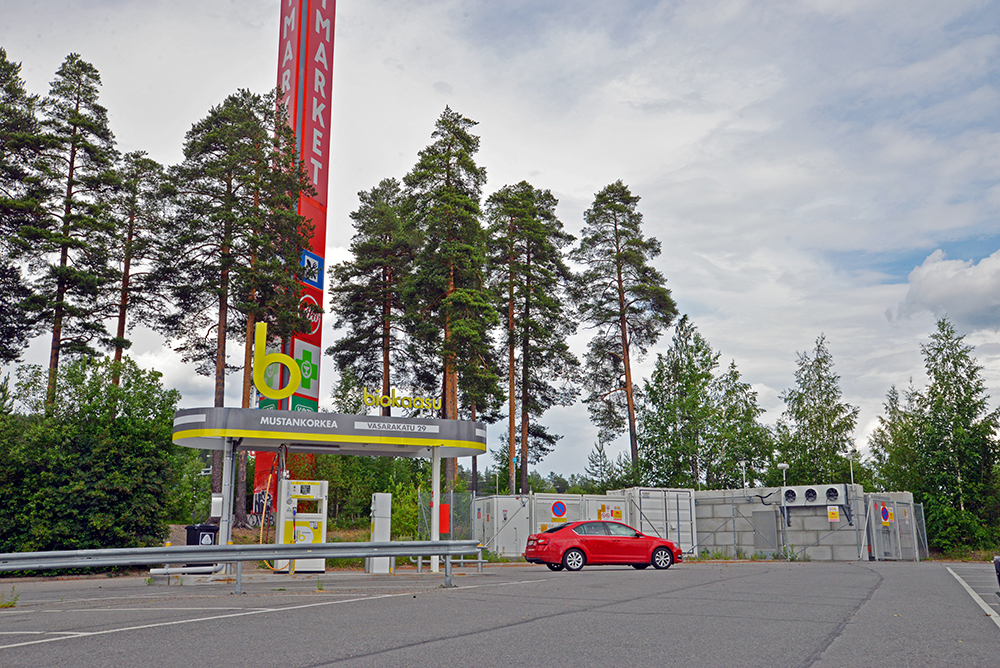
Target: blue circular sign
x,y
885,514
558,509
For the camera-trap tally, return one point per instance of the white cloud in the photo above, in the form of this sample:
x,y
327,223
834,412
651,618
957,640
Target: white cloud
x,y
965,291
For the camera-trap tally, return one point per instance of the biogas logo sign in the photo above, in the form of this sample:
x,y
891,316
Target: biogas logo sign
x,y
262,361
394,401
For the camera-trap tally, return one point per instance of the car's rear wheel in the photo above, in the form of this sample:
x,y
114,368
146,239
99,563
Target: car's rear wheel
x,y
555,567
574,560
662,558
639,567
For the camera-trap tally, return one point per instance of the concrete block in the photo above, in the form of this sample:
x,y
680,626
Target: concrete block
x,y
818,523
844,553
845,536
819,553
741,524
703,510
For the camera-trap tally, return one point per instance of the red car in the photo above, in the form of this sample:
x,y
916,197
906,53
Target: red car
x,y
572,545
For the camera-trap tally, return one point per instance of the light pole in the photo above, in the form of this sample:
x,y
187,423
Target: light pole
x,y
784,479
784,511
743,466
851,457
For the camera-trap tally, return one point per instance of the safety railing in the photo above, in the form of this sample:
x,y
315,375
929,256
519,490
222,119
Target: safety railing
x,y
144,556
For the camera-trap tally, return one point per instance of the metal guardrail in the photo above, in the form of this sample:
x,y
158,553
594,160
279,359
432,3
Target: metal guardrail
x,y
144,556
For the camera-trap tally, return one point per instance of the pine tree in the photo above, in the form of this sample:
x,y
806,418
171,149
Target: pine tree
x,y
69,240
450,307
530,278
623,298
237,240
366,291
21,141
139,214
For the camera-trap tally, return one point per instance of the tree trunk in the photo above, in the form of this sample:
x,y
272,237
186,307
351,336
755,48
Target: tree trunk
x,y
450,389
386,333
123,297
511,377
524,379
59,313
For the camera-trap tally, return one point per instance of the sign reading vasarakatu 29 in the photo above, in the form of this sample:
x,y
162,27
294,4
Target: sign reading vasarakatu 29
x,y
207,429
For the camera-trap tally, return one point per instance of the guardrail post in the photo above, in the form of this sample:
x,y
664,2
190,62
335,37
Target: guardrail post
x,y
479,560
447,570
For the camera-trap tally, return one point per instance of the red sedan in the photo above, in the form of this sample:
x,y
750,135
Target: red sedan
x,y
572,545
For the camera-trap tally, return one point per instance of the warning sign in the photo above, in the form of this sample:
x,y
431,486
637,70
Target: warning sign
x,y
833,513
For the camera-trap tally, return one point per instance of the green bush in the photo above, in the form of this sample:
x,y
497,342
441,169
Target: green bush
x,y
952,530
94,471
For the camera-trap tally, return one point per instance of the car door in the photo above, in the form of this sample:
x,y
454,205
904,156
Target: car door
x,y
627,547
595,542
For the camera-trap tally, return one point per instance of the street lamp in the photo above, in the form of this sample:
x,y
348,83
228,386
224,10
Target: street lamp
x,y
784,511
851,457
743,465
784,480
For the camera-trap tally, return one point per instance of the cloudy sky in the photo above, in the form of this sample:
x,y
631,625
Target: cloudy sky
x,y
813,167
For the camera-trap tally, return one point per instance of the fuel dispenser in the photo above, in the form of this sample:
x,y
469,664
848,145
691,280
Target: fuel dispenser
x,y
293,526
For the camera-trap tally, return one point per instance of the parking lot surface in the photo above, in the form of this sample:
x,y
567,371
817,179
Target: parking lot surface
x,y
702,614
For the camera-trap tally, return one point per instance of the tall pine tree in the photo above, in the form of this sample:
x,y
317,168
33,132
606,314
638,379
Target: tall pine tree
x,y
623,298
529,277
21,141
237,243
450,308
70,238
138,209
366,291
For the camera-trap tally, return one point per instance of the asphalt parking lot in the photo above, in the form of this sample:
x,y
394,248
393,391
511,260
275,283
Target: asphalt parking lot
x,y
704,614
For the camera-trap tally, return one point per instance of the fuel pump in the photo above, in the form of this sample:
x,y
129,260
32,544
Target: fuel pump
x,y
293,526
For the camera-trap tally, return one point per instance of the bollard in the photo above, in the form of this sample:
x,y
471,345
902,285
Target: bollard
x,y
996,567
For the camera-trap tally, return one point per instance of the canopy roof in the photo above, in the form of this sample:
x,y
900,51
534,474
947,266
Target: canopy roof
x,y
327,433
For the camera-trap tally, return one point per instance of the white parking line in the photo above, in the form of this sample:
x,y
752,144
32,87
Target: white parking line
x,y
990,612
256,611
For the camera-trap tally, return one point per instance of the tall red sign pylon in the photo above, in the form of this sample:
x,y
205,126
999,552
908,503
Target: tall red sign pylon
x,y
305,84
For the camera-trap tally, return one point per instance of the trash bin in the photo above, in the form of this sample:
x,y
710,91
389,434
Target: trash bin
x,y
201,534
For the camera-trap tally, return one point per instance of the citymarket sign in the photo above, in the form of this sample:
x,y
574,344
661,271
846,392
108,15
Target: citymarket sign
x,y
207,429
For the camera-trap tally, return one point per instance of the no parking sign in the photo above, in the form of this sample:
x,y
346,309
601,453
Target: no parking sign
x,y
558,511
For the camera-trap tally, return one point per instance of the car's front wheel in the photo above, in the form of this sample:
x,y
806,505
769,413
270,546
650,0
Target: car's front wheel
x,y
662,558
574,560
555,567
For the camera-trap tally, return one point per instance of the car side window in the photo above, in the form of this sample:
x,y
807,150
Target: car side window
x,y
590,529
616,529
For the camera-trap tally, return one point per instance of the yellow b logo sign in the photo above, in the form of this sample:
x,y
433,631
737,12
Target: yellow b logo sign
x,y
262,361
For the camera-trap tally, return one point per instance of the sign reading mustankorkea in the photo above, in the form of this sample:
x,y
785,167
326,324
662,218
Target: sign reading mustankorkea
x,y
207,429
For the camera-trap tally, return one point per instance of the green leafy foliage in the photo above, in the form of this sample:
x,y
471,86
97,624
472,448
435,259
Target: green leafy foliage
x,y
940,443
815,431
699,427
97,470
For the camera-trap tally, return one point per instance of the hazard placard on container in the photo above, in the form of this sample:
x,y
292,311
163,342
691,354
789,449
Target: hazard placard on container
x,y
833,513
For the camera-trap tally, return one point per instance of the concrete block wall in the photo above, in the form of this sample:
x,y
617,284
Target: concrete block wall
x,y
725,522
